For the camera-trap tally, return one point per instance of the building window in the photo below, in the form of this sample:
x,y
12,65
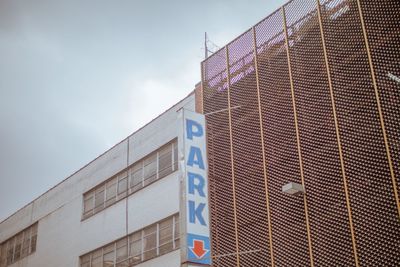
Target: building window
x,y
122,184
108,256
97,258
99,198
85,260
150,242
154,240
122,252
165,161
165,232
111,191
136,176
135,248
154,166
150,169
19,246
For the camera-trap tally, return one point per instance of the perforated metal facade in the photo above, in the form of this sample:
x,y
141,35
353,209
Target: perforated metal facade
x,y
311,94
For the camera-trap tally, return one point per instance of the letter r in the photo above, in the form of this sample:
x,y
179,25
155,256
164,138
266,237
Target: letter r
x,y
199,186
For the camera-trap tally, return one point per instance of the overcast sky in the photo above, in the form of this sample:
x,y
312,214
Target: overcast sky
x,y
77,76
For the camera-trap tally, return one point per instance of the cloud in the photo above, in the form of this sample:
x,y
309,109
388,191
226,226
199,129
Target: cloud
x,y
76,77
150,97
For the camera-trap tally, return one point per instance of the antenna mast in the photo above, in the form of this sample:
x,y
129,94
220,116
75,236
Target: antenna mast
x,y
207,41
205,46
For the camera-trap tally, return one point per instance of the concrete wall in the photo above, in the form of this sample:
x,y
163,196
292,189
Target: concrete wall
x,y
63,236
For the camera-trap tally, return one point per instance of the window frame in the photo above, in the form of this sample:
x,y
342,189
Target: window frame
x,y
139,240
12,254
127,173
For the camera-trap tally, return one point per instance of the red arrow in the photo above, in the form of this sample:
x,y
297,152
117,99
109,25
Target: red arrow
x,y
198,248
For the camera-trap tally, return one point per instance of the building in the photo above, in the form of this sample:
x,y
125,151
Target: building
x,y
307,97
121,209
310,95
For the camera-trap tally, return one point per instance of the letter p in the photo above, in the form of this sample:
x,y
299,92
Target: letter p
x,y
193,129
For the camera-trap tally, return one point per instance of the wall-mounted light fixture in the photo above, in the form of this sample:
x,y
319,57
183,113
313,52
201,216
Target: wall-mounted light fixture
x,y
293,189
394,77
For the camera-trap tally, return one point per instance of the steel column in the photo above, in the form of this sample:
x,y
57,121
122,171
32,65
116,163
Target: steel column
x,y
345,183
263,148
228,77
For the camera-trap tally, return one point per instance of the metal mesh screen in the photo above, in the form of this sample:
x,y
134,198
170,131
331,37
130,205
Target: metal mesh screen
x,y
330,230
382,19
215,97
352,210
287,213
247,154
374,209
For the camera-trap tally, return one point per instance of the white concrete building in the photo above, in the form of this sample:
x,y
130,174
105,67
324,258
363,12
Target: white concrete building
x,y
121,209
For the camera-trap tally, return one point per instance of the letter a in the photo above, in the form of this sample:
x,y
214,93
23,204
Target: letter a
x,y
195,157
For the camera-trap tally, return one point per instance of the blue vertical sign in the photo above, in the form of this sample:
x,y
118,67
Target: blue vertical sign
x,y
198,249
